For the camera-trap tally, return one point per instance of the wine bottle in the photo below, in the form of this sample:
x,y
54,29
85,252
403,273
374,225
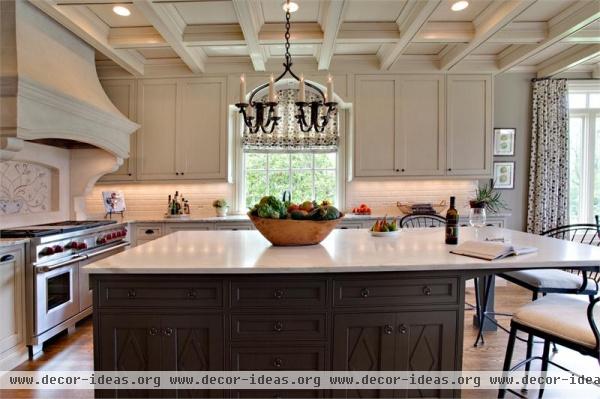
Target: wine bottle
x,y
452,223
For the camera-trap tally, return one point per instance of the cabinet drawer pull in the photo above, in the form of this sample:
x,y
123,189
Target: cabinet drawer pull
x,y
149,231
177,173
277,362
131,294
365,292
278,293
278,325
7,258
153,331
388,330
168,331
427,291
192,294
403,329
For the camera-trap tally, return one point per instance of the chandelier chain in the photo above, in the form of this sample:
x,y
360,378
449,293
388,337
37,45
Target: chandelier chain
x,y
288,57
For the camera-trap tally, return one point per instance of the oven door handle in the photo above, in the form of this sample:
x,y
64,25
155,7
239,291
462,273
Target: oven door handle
x,y
46,269
105,250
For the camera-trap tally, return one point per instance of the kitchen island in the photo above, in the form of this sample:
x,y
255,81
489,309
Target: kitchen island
x,y
230,301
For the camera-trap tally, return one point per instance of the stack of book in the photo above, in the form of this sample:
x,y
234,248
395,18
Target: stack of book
x,y
423,209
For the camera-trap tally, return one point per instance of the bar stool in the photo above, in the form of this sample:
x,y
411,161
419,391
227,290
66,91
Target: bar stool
x,y
576,329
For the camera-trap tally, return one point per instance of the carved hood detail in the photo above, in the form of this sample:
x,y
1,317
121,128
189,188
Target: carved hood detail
x,y
56,90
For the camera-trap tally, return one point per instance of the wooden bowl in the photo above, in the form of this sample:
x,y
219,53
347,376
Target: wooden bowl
x,y
290,232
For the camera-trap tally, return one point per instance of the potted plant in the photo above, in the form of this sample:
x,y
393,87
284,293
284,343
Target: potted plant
x,y
221,207
488,198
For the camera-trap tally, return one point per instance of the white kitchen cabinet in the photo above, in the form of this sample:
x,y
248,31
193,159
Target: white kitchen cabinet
x,y
12,307
145,232
400,125
122,93
469,125
184,129
158,115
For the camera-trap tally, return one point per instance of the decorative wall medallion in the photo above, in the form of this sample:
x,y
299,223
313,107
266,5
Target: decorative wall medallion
x,y
24,188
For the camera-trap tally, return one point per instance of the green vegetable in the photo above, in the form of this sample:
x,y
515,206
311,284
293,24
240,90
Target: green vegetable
x,y
269,207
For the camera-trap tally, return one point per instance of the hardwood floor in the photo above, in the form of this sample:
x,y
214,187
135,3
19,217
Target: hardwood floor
x,y
74,352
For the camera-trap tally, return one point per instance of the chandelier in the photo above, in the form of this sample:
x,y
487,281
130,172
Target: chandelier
x,y
263,116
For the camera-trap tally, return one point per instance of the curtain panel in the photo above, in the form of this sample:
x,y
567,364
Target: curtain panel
x,y
287,136
549,164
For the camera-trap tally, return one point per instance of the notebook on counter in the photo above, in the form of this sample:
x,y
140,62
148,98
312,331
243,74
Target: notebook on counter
x,y
490,250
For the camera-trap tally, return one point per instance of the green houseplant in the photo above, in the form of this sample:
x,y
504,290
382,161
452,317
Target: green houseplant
x,y
221,207
490,199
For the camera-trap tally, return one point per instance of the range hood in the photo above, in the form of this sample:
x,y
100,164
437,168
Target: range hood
x,y
50,89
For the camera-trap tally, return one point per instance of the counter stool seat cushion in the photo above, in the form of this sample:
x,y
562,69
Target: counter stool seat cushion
x,y
552,278
564,316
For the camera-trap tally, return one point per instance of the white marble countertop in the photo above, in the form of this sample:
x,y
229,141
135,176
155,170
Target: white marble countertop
x,y
243,252
7,242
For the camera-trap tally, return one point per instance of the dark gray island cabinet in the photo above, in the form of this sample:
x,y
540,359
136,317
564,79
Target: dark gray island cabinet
x,y
346,321
228,300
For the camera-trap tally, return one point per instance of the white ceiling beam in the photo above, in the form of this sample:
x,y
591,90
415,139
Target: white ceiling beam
x,y
579,17
596,71
485,27
568,59
413,17
250,20
583,36
302,32
445,32
139,36
521,32
368,32
89,28
213,34
166,20
332,21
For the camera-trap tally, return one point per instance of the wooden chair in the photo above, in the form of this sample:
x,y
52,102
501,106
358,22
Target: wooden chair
x,y
576,329
556,281
416,221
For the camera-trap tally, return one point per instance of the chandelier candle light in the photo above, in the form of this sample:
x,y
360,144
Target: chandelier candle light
x,y
263,116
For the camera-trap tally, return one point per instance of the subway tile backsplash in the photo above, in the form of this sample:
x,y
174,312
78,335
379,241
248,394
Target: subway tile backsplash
x,y
149,201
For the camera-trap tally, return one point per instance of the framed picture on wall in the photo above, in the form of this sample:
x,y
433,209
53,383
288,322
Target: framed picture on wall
x,y
504,142
504,175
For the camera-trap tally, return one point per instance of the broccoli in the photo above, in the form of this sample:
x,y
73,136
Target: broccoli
x,y
270,207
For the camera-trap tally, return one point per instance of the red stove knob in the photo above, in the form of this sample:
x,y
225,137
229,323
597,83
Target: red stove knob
x,y
113,235
57,249
82,245
47,251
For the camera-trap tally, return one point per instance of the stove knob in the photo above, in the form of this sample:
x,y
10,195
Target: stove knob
x,y
113,235
47,251
57,249
81,245
71,245
101,240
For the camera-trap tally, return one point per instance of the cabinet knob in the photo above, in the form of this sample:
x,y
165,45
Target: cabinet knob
x,y
365,292
168,331
449,169
402,170
7,258
278,293
153,331
192,294
182,173
177,173
149,231
277,362
131,294
397,170
278,326
388,330
403,329
129,174
427,291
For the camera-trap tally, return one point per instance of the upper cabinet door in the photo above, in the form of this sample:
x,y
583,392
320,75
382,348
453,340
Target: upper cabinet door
x,y
202,136
122,95
158,112
420,133
376,116
469,125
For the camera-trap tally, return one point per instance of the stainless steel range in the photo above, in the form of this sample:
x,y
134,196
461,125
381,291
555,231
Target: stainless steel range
x,y
58,294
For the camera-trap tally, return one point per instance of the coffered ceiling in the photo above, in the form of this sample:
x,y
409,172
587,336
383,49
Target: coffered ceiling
x,y
545,36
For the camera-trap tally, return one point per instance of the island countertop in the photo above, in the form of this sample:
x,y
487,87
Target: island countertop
x,y
247,252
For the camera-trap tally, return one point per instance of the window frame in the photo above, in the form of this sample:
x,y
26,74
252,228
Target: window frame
x,y
589,116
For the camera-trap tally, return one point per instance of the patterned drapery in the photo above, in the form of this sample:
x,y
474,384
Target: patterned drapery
x,y
287,136
549,165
